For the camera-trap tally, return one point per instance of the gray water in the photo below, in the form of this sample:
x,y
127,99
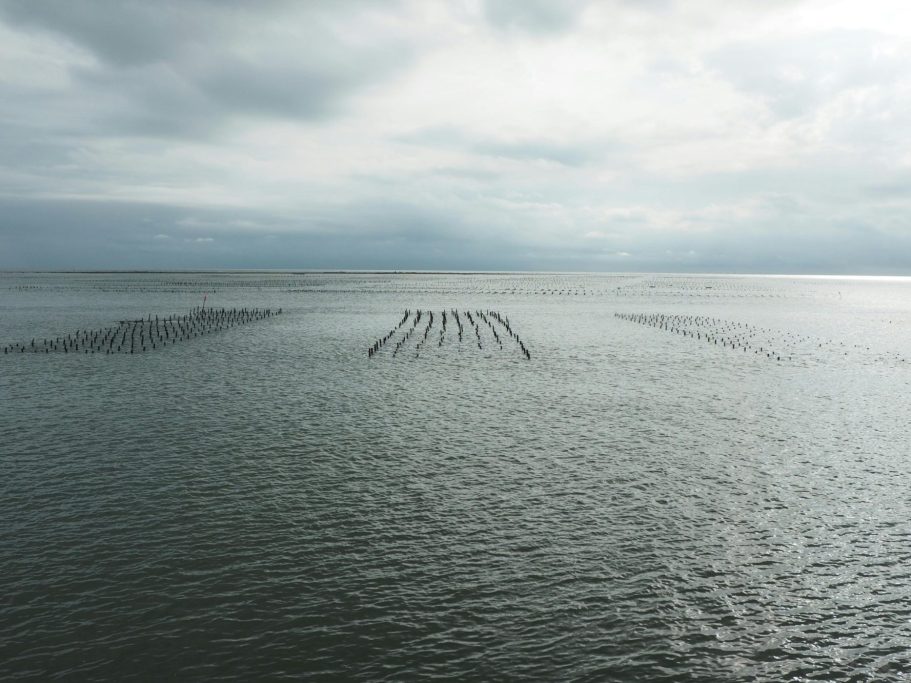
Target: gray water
x,y
632,503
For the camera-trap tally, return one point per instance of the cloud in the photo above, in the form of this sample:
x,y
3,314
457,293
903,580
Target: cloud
x,y
90,235
128,33
796,74
896,188
189,68
574,153
542,150
585,135
536,16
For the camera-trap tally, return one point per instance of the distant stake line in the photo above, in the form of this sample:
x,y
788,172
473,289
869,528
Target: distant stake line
x,y
146,334
743,337
496,325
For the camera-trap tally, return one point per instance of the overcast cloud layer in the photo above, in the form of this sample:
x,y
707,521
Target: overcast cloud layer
x,y
648,135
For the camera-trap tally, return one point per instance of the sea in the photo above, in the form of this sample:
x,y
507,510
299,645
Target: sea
x,y
583,477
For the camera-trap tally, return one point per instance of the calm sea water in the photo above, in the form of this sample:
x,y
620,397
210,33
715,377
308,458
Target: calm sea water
x,y
632,503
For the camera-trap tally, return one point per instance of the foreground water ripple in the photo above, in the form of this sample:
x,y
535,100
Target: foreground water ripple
x,y
269,502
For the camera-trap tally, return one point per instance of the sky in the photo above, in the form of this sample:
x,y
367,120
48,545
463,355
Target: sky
x,y
755,136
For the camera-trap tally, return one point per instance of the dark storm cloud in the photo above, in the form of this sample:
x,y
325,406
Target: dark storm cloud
x,y
309,90
62,234
157,100
540,150
786,249
898,187
136,32
536,16
551,17
650,5
124,33
184,68
390,235
577,153
775,247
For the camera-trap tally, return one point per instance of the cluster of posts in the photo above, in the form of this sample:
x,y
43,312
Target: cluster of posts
x,y
725,333
495,324
145,334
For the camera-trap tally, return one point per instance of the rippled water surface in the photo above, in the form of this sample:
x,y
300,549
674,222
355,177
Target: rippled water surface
x,y
632,503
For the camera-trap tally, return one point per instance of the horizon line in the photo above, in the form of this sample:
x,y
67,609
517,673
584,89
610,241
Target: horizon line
x,y
374,271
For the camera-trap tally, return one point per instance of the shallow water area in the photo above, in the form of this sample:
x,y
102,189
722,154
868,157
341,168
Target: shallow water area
x,y
630,503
